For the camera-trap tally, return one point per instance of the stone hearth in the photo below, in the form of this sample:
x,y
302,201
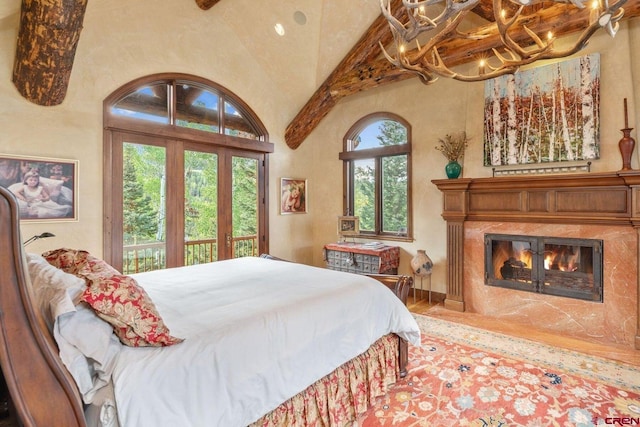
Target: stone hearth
x,y
590,206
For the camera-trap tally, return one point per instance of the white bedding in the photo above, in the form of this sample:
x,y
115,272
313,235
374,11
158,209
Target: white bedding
x,y
256,332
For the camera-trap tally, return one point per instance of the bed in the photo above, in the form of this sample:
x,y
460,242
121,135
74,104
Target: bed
x,y
268,377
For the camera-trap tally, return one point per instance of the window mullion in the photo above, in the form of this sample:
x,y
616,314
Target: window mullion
x,y
221,114
171,102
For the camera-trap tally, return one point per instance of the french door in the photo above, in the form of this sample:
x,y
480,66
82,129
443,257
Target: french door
x,y
176,202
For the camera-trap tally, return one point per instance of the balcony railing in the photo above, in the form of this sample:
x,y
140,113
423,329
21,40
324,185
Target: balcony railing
x,y
152,256
146,257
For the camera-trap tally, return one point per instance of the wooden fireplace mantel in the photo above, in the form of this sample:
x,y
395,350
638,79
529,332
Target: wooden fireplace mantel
x,y
610,198
595,198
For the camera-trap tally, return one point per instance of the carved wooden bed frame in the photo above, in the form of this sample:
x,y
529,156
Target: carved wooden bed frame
x,y
43,393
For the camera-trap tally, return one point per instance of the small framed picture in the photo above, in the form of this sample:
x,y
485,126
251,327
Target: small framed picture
x,y
45,188
348,225
293,194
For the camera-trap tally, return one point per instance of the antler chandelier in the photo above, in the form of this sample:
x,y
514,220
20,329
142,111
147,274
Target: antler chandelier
x,y
518,44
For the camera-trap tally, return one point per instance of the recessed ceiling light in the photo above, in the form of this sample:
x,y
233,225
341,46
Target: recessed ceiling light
x,y
279,29
300,17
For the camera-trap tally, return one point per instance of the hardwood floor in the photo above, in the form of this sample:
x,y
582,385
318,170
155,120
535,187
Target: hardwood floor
x,y
624,354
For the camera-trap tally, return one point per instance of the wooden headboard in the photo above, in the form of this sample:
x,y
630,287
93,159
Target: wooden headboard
x,y
43,392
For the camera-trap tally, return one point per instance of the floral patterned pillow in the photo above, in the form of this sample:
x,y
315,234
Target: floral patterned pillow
x,y
68,260
78,262
115,298
126,306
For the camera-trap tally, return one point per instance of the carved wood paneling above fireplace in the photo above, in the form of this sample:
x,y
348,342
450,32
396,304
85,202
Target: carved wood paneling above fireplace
x,y
609,199
605,198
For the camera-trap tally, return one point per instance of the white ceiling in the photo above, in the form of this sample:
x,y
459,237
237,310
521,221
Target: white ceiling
x,y
332,28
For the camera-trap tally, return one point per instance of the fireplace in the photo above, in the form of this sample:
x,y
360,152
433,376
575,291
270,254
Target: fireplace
x,y
598,209
548,265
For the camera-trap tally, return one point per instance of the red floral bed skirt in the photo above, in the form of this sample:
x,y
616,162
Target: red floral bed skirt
x,y
338,398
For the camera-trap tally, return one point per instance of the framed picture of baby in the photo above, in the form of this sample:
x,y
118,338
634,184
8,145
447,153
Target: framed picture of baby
x,y
293,196
45,188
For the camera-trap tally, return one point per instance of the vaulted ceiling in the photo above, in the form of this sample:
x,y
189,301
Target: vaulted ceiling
x,y
44,82
363,68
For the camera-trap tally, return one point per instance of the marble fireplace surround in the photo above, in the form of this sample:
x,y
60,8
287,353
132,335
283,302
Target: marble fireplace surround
x,y
592,206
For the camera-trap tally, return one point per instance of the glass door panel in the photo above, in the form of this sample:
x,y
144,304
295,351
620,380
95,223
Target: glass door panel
x,y
237,125
245,204
197,108
143,208
364,193
147,103
395,193
183,206
201,207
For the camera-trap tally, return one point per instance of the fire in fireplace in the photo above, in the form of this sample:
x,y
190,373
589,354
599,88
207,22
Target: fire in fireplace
x,y
549,265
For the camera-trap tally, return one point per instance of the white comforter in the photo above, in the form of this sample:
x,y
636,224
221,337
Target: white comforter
x,y
256,332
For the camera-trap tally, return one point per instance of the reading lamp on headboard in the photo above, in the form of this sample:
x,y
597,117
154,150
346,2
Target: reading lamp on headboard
x,y
38,236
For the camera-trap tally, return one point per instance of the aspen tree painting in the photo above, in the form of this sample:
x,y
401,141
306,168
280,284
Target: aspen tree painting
x,y
547,114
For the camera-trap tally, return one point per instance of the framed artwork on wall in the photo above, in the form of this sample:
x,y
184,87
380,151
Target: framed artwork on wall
x,y
348,226
544,115
293,196
46,188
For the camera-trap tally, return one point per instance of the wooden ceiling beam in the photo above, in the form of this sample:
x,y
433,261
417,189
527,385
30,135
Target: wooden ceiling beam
x,y
561,19
484,9
365,50
206,4
47,40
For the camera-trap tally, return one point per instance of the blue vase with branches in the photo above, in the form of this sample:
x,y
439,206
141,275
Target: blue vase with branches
x,y
452,147
453,169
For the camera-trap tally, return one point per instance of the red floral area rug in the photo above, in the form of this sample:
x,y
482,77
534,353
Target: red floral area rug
x,y
465,376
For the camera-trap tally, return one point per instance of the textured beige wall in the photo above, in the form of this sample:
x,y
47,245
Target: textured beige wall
x,y
124,40
235,47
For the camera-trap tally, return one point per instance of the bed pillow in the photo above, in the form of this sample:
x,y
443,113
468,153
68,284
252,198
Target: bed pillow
x,y
78,262
55,291
88,348
87,345
126,306
117,299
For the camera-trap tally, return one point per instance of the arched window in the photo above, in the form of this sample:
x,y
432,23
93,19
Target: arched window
x,y
377,175
184,174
